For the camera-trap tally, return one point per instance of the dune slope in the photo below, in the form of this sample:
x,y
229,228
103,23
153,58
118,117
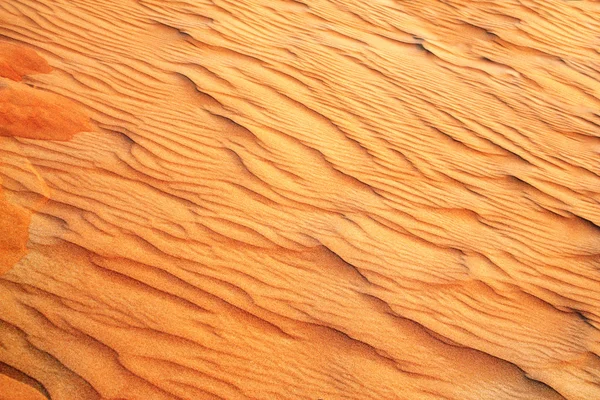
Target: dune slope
x,y
303,199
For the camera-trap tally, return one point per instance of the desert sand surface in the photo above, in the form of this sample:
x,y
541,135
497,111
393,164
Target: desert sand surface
x,y
299,199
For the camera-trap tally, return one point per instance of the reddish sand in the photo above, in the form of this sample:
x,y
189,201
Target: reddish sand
x,y
14,233
16,61
35,114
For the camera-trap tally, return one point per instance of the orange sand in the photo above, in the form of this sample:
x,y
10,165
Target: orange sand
x,y
306,199
14,233
11,389
16,61
34,114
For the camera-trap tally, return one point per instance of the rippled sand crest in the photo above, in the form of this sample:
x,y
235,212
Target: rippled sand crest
x,y
302,199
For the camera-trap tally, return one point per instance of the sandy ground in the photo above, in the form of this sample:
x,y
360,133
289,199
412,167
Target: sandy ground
x,y
299,199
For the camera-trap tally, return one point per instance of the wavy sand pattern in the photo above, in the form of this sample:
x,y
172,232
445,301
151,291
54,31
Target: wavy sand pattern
x,y
30,113
302,199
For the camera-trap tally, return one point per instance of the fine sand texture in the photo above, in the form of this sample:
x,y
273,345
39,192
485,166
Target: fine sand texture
x,y
299,199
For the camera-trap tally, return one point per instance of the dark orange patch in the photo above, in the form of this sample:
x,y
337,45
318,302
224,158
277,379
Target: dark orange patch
x,y
14,233
16,61
35,114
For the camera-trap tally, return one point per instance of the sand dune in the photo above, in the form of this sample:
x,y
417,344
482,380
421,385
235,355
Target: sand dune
x,y
34,114
300,199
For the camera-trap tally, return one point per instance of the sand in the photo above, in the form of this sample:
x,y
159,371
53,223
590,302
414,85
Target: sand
x,y
301,199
